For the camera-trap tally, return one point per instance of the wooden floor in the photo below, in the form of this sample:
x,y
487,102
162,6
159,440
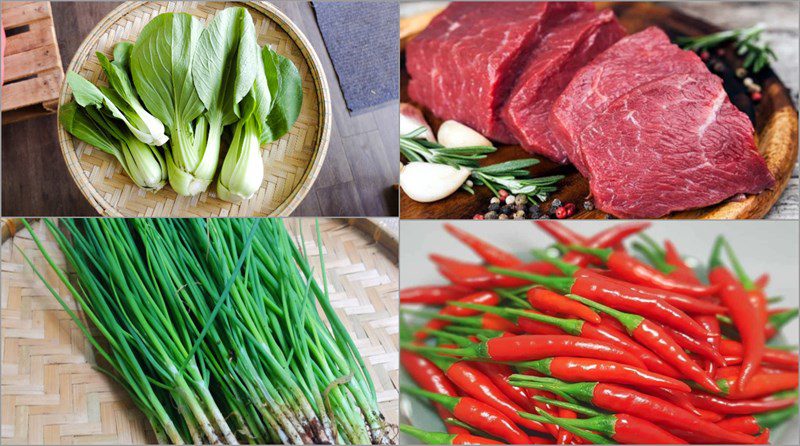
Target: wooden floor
x,y
356,178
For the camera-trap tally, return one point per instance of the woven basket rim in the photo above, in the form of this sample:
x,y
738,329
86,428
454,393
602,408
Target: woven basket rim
x,y
322,138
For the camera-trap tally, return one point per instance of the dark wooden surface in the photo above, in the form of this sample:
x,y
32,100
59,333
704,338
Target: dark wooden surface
x,y
634,17
356,178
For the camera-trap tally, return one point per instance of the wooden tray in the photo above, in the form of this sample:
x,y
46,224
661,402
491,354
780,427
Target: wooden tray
x,y
775,120
32,62
291,164
52,395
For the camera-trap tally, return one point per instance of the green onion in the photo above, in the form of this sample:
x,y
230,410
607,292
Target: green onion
x,y
213,328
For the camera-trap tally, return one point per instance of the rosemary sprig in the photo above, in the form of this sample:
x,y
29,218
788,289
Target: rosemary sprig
x,y
512,176
757,54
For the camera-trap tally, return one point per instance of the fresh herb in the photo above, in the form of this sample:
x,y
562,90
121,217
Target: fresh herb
x,y
757,54
511,176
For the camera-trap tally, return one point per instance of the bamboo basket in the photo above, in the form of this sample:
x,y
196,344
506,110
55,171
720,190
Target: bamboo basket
x,y
291,164
51,394
32,62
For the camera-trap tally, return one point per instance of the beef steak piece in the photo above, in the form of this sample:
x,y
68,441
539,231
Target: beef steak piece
x,y
634,60
564,49
672,144
462,66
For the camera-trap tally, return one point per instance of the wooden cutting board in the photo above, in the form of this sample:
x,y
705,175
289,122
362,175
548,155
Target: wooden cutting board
x,y
774,118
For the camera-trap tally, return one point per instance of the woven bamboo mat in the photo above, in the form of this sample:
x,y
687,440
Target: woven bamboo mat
x,y
291,164
52,395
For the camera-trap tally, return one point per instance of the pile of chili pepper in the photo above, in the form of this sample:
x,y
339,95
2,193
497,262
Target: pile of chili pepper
x,y
596,342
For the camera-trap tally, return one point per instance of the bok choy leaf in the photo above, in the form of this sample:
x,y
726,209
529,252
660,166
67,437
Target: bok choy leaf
x,y
161,66
225,67
287,95
243,168
143,163
147,127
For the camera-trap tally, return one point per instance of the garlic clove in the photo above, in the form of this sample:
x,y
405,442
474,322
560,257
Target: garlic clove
x,y
427,182
456,134
411,118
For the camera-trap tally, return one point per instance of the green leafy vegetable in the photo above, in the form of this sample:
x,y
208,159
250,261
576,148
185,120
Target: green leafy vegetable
x,y
243,169
161,62
145,126
143,163
287,91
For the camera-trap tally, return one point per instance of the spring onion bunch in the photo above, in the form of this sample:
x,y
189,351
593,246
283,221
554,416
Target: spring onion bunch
x,y
217,329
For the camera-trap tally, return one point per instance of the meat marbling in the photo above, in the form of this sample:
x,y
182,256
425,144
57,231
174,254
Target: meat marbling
x,y
671,144
564,49
463,65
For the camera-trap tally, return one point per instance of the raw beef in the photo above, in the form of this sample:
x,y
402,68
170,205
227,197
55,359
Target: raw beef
x,y
671,144
462,66
636,59
563,50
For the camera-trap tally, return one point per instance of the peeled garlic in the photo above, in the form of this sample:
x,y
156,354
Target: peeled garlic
x,y
426,182
411,118
456,134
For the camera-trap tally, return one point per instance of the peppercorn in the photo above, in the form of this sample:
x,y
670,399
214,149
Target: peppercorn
x,y
502,193
741,72
494,200
720,52
561,212
510,200
704,55
718,67
491,215
502,217
570,208
506,210
494,207
520,200
477,217
534,211
588,205
555,204
470,183
756,96
519,215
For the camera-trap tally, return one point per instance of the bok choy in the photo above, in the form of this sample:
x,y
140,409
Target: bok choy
x,y
161,65
143,163
145,126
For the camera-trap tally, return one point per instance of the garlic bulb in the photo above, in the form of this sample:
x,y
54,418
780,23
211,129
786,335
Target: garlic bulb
x,y
456,134
427,182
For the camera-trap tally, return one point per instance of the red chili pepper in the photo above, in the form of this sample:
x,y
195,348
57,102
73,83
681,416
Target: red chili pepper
x,y
534,347
442,438
713,338
489,253
746,309
759,385
564,436
477,385
485,321
473,276
620,399
761,281
680,399
635,271
433,295
499,374
616,294
652,336
429,377
560,232
607,238
624,428
754,424
482,297
776,321
546,300
703,349
477,414
581,369
773,356
739,407
536,323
